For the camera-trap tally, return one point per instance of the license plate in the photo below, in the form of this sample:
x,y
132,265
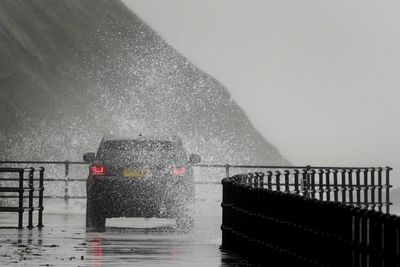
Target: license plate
x,y
134,173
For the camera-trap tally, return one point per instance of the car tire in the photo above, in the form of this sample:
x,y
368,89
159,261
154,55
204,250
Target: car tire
x,y
95,219
185,222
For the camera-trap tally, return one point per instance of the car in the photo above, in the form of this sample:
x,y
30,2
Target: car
x,y
143,176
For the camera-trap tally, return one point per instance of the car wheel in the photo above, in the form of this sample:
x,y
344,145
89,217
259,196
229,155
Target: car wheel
x,y
95,219
185,221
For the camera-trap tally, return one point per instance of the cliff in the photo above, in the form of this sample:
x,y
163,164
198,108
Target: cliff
x,y
73,71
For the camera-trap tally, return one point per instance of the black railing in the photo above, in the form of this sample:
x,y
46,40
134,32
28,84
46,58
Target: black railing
x,y
364,187
66,177
264,225
21,189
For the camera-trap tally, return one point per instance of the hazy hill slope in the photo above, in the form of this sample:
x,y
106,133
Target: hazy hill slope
x,y
74,70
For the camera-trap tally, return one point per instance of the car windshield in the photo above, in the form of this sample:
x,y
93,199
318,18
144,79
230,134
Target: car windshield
x,y
142,152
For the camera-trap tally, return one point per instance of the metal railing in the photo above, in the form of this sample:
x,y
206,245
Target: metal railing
x,y
364,187
264,225
65,180
20,189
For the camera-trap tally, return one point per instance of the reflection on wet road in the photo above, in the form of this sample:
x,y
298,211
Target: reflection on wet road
x,y
127,242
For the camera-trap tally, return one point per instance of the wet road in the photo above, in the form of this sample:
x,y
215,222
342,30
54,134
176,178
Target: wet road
x,y
127,242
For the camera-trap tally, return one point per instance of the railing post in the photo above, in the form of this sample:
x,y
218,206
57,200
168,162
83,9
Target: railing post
x,y
227,170
269,179
66,184
327,184
256,180
41,189
296,182
262,179
31,188
227,218
287,173
380,204
278,180
358,188
312,178
304,183
366,187
351,190
373,204
335,186
344,186
250,179
321,184
21,200
388,169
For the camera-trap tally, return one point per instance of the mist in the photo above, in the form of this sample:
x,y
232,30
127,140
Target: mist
x,y
318,79
178,93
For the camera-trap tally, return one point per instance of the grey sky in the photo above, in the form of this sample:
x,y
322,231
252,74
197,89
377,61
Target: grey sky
x,y
319,79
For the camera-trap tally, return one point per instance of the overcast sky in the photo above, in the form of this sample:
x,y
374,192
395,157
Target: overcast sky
x,y
319,79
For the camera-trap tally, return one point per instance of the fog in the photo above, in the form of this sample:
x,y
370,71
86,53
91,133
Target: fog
x,y
319,79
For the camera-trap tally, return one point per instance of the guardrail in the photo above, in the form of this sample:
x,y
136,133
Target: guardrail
x,y
66,179
264,226
364,187
20,189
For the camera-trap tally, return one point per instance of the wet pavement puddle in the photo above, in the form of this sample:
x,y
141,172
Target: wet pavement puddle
x,y
127,242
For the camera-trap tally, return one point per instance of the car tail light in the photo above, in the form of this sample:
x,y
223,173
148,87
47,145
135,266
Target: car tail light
x,y
98,169
179,171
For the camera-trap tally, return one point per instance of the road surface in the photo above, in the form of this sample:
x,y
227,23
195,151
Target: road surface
x,y
127,242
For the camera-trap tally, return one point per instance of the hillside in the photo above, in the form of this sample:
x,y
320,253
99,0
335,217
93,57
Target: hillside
x,y
73,71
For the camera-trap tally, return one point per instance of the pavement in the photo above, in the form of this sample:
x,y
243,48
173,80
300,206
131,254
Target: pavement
x,y
127,241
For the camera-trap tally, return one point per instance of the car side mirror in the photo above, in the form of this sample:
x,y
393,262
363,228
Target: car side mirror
x,y
193,158
89,157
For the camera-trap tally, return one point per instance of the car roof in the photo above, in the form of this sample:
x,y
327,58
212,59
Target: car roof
x,y
171,138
